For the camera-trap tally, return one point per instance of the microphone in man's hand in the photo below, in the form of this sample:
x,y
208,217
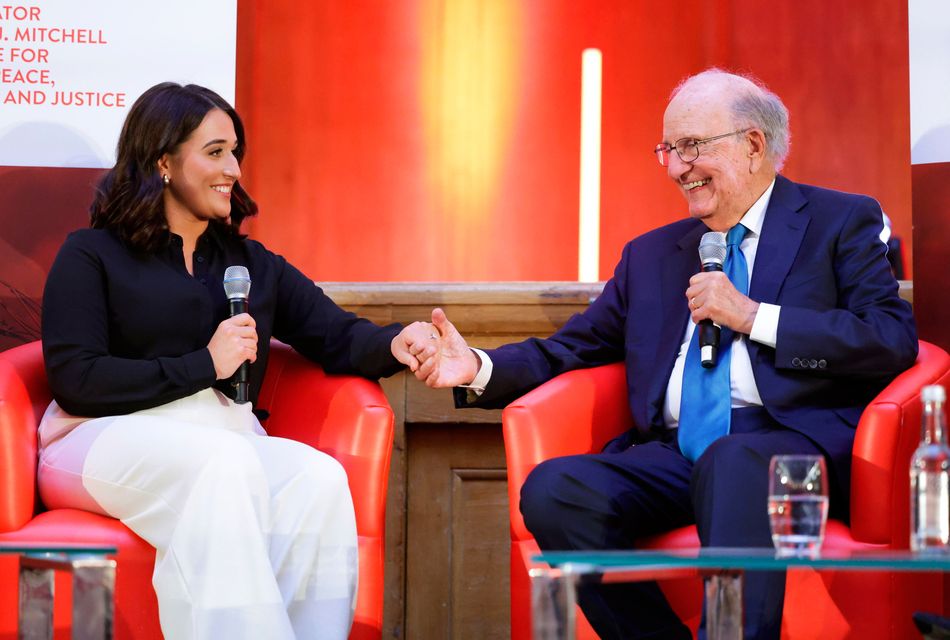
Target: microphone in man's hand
x,y
237,284
712,253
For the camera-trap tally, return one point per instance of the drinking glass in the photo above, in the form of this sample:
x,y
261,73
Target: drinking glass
x,y
798,503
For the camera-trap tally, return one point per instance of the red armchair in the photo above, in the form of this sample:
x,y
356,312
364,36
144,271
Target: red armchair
x,y
345,416
578,412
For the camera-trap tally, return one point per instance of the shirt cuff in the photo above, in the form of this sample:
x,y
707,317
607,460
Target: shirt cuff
x,y
765,325
199,369
478,384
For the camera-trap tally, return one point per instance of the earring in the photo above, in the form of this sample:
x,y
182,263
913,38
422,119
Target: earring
x,y
166,179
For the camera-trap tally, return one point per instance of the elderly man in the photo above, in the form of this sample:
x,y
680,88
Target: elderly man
x,y
812,329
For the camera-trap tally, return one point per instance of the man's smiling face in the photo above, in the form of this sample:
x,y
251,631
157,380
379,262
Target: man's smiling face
x,y
720,185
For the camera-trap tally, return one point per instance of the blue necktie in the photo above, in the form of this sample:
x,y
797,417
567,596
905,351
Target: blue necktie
x,y
706,402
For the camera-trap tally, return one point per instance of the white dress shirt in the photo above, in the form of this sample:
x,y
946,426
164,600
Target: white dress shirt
x,y
745,393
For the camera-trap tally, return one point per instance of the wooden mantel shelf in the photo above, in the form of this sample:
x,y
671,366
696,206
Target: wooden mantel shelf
x,y
477,309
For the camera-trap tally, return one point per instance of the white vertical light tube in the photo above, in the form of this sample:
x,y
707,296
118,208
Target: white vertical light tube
x,y
589,228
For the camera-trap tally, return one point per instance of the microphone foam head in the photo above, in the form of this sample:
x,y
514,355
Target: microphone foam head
x,y
237,282
712,248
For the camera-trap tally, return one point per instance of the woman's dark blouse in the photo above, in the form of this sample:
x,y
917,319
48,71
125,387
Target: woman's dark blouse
x,y
124,331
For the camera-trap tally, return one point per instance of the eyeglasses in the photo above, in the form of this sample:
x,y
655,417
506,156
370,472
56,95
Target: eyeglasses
x,y
686,148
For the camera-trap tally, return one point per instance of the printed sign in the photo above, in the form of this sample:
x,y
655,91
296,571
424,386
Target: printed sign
x,y
69,71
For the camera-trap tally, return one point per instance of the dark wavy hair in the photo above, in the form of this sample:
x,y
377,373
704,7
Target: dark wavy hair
x,y
129,198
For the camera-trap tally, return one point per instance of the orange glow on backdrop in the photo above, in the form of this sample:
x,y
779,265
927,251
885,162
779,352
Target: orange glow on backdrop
x,y
470,68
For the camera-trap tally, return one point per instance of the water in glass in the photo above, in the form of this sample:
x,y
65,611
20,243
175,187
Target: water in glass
x,y
798,523
797,503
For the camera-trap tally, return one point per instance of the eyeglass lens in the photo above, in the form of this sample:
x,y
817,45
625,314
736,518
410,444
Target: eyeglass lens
x,y
687,149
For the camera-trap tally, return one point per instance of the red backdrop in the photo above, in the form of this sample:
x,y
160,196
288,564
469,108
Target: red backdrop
x,y
439,139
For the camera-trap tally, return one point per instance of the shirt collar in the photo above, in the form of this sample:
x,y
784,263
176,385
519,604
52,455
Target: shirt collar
x,y
215,236
754,218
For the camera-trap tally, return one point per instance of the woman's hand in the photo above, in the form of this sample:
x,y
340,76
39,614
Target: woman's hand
x,y
414,344
234,341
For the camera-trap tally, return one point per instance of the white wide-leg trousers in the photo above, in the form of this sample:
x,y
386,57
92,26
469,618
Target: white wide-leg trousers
x,y
255,536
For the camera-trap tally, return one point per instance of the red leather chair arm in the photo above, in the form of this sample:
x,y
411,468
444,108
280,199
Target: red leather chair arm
x,y
17,450
24,396
887,435
347,417
27,360
576,412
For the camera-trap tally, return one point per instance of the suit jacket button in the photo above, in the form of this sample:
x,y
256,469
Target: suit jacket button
x,y
813,363
822,363
796,362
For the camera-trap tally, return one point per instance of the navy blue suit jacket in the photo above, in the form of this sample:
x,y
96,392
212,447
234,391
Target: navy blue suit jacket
x,y
843,332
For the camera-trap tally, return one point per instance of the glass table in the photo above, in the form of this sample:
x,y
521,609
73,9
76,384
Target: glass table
x,y
93,586
557,574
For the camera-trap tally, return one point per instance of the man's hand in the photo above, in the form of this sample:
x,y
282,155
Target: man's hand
x,y
711,295
454,364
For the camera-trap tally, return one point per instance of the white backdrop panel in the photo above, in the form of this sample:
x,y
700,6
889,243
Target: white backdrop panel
x,y
929,23
69,71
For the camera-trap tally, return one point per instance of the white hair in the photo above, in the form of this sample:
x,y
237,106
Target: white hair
x,y
753,106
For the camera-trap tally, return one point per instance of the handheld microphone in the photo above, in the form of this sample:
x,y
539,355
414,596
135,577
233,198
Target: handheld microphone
x,y
712,253
237,284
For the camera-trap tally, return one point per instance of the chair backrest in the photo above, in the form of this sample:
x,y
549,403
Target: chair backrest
x,y
887,435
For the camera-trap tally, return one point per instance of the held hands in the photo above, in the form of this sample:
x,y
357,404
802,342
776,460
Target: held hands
x,y
233,342
415,344
711,295
436,353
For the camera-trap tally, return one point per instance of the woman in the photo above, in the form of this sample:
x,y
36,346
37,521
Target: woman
x,y
255,536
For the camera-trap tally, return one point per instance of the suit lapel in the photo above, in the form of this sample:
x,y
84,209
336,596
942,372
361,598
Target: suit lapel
x,y
782,232
676,268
